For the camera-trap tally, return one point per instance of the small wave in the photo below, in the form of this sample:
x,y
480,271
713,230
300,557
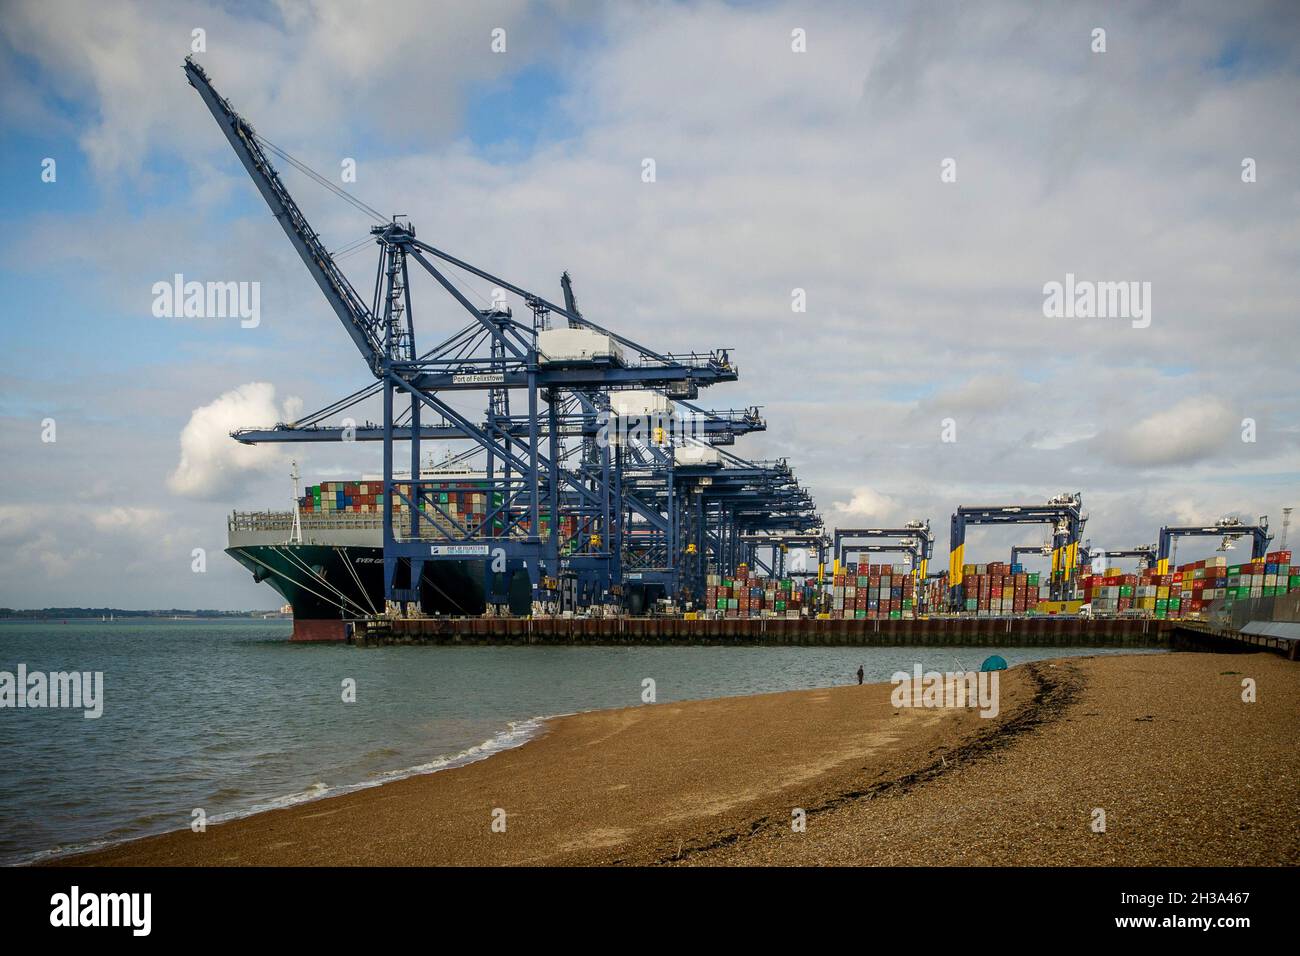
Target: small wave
x,y
517,732
314,792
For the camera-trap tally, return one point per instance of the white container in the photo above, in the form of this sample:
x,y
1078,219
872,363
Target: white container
x,y
696,456
577,347
637,402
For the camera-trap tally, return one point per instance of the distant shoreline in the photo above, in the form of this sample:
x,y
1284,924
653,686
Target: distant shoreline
x,y
1153,740
33,617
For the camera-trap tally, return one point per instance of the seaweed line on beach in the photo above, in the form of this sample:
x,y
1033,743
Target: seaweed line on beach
x,y
1056,687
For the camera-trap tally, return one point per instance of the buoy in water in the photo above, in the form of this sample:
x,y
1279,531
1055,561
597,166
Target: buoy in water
x,y
993,663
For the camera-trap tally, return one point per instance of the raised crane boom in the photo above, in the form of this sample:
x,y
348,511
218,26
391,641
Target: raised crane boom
x,y
359,321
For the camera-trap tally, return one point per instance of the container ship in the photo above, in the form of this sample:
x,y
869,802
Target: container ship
x,y
326,555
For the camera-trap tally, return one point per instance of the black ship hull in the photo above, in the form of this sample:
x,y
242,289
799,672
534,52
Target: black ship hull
x,y
330,585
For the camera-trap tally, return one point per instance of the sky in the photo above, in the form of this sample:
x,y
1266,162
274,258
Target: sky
x,y
922,172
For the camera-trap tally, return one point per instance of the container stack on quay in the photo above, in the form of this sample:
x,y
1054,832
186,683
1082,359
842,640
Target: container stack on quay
x,y
873,591
1273,576
934,592
754,595
998,589
1188,590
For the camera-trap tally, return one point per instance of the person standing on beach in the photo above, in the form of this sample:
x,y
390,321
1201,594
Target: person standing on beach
x,y
859,675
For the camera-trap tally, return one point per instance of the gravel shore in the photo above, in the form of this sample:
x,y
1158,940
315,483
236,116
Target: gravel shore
x,y
1184,770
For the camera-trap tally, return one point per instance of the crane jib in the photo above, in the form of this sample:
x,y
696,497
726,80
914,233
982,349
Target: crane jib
x,y
333,283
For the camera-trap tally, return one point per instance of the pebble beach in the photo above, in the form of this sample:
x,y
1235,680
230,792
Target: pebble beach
x,y
1161,750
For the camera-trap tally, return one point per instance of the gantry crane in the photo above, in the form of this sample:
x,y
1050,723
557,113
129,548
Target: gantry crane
x,y
1063,513
917,531
1146,555
1228,527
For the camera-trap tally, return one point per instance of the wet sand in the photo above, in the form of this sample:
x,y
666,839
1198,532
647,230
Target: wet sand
x,y
1186,772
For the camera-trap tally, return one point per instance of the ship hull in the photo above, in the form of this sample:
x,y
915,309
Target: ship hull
x,y
330,585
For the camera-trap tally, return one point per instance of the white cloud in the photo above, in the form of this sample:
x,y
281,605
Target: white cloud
x,y
865,503
1191,429
212,463
121,518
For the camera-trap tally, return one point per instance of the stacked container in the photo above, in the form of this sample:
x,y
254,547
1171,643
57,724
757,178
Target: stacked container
x,y
753,595
873,591
992,590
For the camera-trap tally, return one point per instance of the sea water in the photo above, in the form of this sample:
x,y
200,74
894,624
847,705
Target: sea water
x,y
228,718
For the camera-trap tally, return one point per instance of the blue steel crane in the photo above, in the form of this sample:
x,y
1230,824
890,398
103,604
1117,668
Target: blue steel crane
x,y
713,500
529,467
1064,513
1229,528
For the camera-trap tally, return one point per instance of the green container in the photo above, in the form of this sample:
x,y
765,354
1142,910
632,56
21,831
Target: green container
x,y
1175,604
780,605
1162,605
858,615
1033,579
895,615
722,604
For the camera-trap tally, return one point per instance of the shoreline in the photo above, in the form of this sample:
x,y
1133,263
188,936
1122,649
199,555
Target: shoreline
x,y
504,740
783,669
715,781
